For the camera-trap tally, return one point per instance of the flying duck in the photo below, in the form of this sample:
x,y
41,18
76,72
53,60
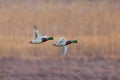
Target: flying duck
x,y
63,44
38,38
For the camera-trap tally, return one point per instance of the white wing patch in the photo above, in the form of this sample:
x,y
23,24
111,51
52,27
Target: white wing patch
x,y
36,32
64,50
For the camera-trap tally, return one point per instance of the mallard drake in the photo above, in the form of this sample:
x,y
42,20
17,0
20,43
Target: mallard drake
x,y
63,44
38,38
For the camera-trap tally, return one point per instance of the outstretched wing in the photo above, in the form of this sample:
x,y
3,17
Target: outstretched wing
x,y
64,50
61,41
36,32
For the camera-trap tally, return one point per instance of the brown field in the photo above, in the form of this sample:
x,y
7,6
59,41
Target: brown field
x,y
95,23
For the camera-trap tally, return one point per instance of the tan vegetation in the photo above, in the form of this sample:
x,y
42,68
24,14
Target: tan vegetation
x,y
94,23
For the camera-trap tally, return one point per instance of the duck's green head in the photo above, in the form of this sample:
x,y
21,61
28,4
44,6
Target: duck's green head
x,y
50,38
74,41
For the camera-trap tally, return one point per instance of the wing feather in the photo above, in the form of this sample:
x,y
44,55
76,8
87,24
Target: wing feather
x,y
36,32
64,50
61,41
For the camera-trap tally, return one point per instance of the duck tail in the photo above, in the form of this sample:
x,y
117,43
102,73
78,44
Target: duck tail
x,y
50,38
74,41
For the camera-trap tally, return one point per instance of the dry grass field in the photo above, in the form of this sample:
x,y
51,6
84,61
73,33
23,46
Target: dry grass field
x,y
95,23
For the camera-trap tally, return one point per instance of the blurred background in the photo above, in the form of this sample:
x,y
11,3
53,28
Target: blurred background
x,y
94,23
